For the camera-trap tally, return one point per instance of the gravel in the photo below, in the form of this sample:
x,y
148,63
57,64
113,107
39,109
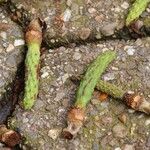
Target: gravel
x,y
57,94
105,126
10,55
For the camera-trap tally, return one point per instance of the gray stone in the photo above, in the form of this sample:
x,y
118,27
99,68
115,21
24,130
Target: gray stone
x,y
19,42
77,56
109,29
84,33
109,76
119,131
54,133
129,147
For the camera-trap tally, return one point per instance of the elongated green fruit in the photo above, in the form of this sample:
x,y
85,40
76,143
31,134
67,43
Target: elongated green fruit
x,y
131,99
33,39
111,89
136,10
91,78
76,115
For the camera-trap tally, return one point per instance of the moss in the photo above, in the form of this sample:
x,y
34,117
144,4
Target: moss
x,y
147,22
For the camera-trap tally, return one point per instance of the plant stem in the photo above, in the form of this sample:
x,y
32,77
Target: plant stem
x,y
33,39
133,100
136,10
91,78
77,114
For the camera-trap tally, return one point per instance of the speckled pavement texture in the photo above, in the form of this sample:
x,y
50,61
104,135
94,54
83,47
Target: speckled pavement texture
x,y
11,48
43,125
109,125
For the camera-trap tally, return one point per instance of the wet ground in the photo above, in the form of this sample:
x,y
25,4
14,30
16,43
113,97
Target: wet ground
x,y
110,125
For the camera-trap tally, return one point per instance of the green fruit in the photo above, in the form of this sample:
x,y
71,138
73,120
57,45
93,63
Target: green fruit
x,y
111,89
32,61
92,75
136,10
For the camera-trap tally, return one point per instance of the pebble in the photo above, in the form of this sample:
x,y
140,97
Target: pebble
x,y
123,118
95,101
109,76
11,61
84,33
117,148
66,15
92,10
130,50
125,5
109,29
77,56
107,120
138,42
148,142
3,34
147,122
10,48
128,147
19,42
119,131
44,75
65,77
54,133
69,3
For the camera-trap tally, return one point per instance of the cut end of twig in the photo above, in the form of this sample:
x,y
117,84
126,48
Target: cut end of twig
x,y
9,137
137,102
34,31
75,122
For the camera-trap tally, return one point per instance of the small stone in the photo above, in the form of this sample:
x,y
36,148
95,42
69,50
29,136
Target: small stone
x,y
69,3
95,101
54,133
148,142
123,118
44,75
65,77
129,147
10,48
59,95
138,42
66,15
114,68
3,34
125,5
130,52
117,9
109,76
99,18
119,131
11,61
92,10
77,56
147,122
107,120
84,33
117,148
19,42
25,120
109,29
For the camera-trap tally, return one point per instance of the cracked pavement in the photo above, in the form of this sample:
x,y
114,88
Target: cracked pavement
x,y
110,124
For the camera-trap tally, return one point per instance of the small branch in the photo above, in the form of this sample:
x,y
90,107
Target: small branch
x,y
77,114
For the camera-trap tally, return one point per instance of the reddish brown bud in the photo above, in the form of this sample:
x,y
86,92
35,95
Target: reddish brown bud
x,y
133,100
34,31
9,137
137,102
75,121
